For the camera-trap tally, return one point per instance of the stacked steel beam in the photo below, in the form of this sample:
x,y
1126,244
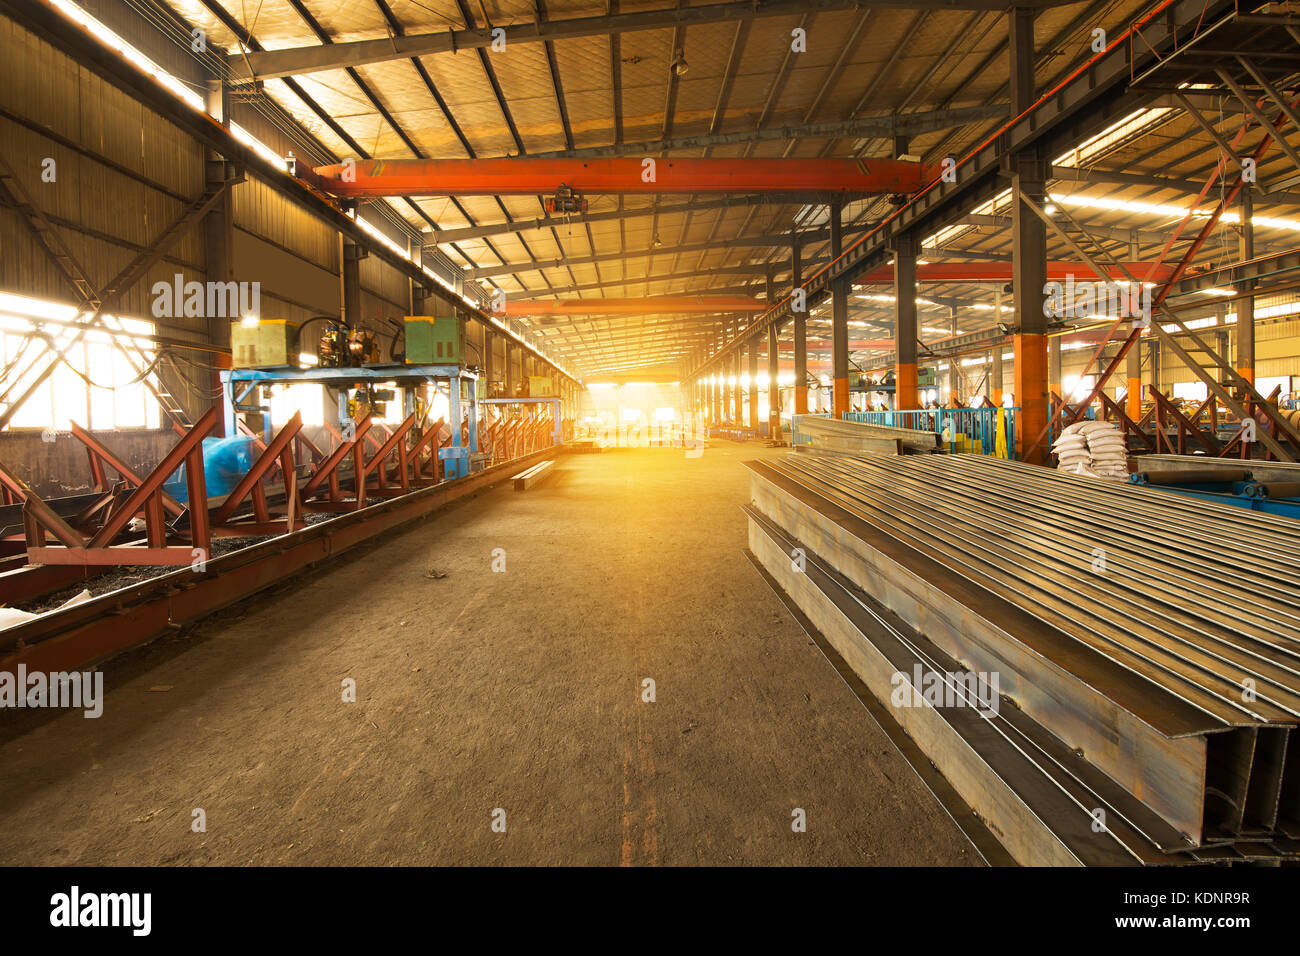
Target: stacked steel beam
x,y
1146,648
860,438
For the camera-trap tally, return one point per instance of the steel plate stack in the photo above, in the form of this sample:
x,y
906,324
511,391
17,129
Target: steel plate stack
x,y
1145,648
860,438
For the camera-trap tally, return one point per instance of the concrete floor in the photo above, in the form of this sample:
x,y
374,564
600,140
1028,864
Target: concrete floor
x,y
479,690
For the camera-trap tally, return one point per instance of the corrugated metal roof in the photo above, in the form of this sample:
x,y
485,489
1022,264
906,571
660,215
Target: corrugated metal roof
x,y
858,63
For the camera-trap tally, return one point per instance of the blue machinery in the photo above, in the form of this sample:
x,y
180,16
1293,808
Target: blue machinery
x,y
238,384
1237,486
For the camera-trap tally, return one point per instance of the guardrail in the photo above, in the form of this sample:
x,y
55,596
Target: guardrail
x,y
979,431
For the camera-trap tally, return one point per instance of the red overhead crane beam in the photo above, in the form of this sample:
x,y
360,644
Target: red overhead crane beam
x,y
529,177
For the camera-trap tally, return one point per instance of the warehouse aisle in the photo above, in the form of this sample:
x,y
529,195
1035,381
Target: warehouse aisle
x,y
486,698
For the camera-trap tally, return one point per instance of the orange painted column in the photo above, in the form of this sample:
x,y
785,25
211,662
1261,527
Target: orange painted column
x,y
1133,379
1245,331
840,399
1031,393
1055,384
1133,397
800,333
839,323
906,390
905,324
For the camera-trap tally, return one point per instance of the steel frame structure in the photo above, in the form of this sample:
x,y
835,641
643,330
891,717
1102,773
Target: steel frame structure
x,y
64,35
237,384
97,629
1091,97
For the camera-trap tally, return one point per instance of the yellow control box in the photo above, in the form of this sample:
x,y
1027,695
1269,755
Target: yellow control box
x,y
267,343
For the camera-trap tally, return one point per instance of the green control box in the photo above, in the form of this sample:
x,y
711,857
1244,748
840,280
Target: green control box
x,y
435,340
266,343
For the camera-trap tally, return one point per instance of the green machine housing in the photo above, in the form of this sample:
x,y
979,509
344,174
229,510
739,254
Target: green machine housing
x,y
435,340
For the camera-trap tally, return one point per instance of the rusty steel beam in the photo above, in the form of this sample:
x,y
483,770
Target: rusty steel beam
x,y
1001,272
297,61
649,305
99,455
905,124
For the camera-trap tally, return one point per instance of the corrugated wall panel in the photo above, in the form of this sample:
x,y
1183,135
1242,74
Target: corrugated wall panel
x,y
104,215
262,211
383,280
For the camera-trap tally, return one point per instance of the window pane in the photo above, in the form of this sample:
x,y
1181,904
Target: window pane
x,y
69,393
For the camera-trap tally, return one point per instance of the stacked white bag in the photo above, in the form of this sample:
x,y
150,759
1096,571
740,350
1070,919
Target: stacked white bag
x,y
1092,448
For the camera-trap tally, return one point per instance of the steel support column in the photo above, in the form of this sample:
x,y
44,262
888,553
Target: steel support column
x,y
995,369
1245,333
1133,362
773,384
720,396
415,290
753,384
905,326
1054,366
954,363
1133,385
352,256
800,326
839,321
737,395
218,229
1029,249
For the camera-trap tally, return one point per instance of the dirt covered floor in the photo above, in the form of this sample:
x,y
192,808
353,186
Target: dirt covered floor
x,y
511,697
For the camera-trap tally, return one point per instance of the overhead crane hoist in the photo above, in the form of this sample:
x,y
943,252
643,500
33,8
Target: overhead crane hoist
x,y
568,180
